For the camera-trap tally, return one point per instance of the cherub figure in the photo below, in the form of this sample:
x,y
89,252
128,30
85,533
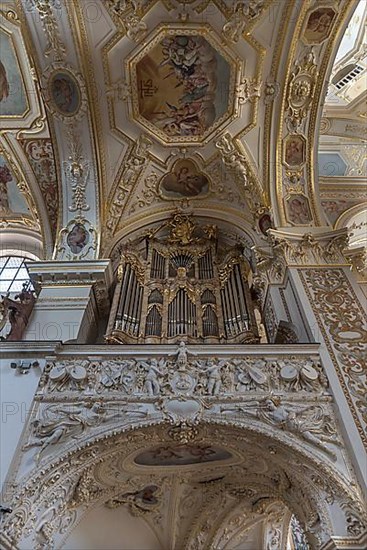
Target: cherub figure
x,y
182,355
151,383
214,374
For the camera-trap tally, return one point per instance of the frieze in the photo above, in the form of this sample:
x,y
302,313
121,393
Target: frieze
x,y
210,376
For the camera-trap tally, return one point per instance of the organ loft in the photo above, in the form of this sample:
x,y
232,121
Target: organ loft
x,y
183,274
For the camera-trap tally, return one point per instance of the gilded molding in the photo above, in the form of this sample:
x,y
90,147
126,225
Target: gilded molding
x,y
46,10
133,169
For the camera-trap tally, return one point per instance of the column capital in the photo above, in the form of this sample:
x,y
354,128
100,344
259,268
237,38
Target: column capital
x,y
289,247
358,259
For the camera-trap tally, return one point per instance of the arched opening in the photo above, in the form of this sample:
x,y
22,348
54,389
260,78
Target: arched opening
x,y
184,486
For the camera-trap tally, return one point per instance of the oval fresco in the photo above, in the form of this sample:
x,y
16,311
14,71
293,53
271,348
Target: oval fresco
x,y
64,92
184,180
77,238
181,455
183,86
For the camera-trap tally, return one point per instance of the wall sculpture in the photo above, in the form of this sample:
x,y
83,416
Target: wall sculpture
x,y
183,374
18,311
13,97
75,398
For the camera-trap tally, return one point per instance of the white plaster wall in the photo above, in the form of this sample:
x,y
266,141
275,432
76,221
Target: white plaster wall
x,y
58,313
16,395
297,315
111,529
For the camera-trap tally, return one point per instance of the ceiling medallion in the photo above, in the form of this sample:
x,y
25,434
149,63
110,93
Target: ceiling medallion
x,y
183,84
64,92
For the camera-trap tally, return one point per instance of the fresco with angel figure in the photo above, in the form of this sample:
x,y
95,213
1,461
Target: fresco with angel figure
x,y
183,85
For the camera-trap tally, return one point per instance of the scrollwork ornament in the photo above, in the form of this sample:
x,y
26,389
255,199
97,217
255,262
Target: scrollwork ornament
x,y
183,433
248,90
46,10
342,322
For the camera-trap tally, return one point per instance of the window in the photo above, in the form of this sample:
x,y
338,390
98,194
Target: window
x,y
13,274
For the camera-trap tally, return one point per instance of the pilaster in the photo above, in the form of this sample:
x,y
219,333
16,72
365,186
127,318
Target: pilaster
x,y
331,305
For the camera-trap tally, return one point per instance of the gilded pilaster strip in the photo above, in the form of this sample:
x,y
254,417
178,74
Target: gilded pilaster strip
x,y
341,318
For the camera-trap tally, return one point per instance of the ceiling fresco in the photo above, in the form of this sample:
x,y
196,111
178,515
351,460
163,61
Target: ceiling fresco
x,y
11,199
184,180
184,87
129,109
16,202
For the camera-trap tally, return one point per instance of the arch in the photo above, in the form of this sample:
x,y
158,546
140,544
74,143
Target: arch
x,y
140,226
308,65
262,469
355,219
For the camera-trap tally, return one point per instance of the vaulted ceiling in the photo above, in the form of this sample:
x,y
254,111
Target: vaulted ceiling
x,y
116,113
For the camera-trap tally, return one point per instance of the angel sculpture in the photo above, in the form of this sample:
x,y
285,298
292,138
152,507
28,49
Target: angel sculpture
x,y
152,369
295,421
140,501
313,428
214,375
182,355
59,423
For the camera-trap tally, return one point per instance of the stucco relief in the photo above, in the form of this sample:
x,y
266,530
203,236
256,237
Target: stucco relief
x,y
77,400
167,377
50,501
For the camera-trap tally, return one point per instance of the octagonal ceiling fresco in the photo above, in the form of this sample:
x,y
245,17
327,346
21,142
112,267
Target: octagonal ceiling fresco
x,y
183,85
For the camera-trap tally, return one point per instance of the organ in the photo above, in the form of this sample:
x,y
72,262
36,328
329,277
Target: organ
x,y
180,281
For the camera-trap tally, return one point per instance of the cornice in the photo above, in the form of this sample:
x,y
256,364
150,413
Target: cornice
x,y
57,348
56,272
